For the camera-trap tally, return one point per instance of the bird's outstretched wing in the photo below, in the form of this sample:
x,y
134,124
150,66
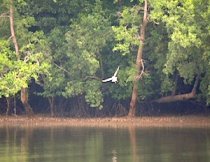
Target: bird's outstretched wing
x,y
116,71
107,80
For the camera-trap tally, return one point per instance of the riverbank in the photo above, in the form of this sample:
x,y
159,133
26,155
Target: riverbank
x,y
165,121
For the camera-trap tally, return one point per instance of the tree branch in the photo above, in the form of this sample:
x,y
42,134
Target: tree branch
x,y
92,77
181,97
3,15
61,68
142,70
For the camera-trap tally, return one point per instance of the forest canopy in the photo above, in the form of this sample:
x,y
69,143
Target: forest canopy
x,y
67,47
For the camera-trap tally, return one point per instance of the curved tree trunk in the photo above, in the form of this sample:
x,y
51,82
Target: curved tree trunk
x,y
24,91
180,97
139,64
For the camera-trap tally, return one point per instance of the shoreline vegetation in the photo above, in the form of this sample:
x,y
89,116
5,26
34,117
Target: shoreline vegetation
x,y
57,57
114,122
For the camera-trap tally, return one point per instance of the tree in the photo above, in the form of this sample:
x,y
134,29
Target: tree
x,y
131,34
24,90
53,17
188,55
22,64
139,62
175,47
85,40
162,48
76,48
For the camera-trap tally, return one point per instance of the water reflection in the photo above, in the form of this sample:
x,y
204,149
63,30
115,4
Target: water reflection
x,y
103,145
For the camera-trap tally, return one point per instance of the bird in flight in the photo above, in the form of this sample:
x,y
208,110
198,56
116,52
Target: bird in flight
x,y
113,78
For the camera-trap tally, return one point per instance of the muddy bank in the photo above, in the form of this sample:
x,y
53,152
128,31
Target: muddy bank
x,y
169,121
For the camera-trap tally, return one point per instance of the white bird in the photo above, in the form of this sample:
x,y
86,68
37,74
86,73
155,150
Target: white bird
x,y
113,78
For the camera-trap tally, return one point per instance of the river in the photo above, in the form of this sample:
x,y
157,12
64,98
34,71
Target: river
x,y
83,144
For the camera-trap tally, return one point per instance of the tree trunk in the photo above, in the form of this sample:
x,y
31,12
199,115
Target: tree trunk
x,y
24,91
12,28
8,99
24,100
52,106
134,97
15,106
180,97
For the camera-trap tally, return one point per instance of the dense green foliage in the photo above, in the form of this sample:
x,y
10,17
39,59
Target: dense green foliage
x,y
17,71
187,25
69,46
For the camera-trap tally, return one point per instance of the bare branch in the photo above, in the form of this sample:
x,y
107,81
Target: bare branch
x,y
9,38
26,59
195,84
142,70
3,15
61,68
92,77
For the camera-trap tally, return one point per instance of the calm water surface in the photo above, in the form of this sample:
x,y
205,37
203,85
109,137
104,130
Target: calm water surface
x,y
68,144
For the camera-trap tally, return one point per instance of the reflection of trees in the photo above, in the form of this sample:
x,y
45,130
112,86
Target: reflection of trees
x,y
67,144
24,143
62,144
15,144
133,141
94,145
172,145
